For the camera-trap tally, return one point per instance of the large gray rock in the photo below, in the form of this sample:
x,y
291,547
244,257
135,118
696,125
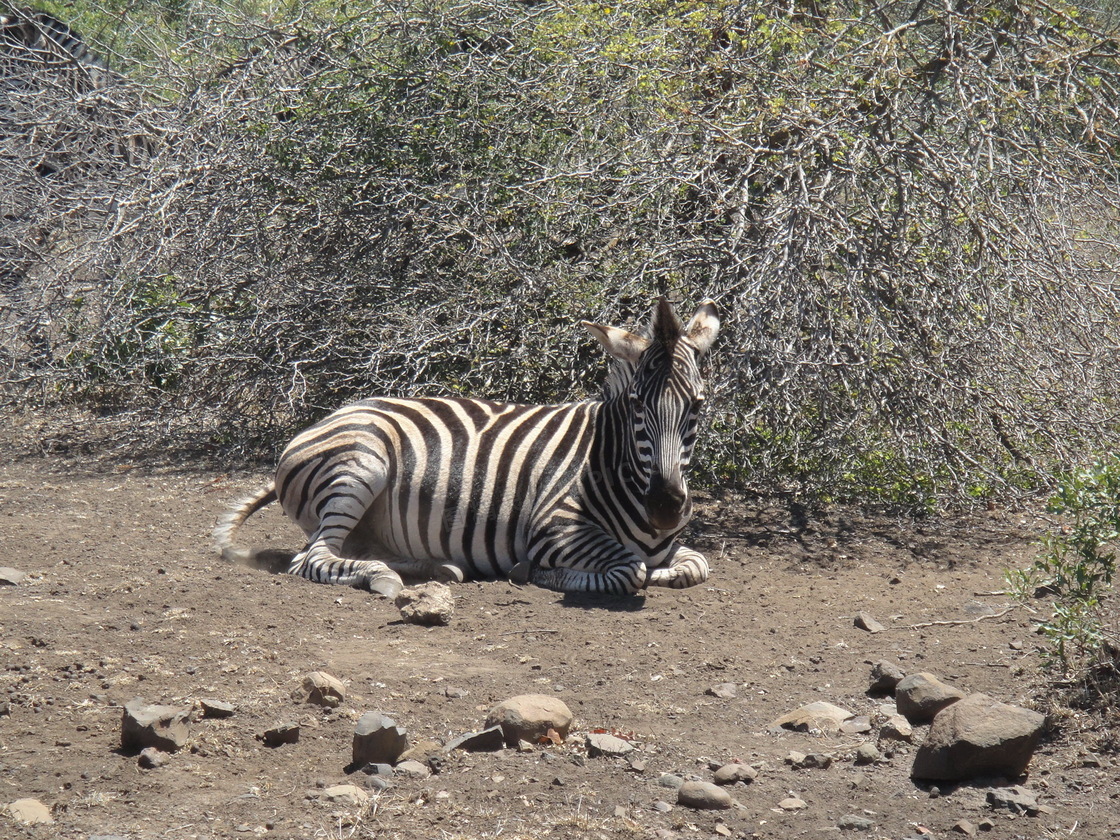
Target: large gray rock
x,y
730,774
604,744
919,697
528,717
978,736
378,739
162,727
486,740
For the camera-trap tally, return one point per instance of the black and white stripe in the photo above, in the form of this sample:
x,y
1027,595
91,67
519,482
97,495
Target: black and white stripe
x,y
586,496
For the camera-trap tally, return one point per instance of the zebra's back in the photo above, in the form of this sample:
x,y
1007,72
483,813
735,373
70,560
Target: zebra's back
x,y
455,481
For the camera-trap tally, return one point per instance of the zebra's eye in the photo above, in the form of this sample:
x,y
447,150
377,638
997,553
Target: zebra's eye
x,y
636,402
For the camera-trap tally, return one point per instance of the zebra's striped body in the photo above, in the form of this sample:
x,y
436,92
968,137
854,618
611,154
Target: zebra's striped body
x,y
585,496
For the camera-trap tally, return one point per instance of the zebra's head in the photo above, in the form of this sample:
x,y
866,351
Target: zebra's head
x,y
658,389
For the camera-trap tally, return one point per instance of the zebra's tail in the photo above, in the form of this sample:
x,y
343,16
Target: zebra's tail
x,y
269,559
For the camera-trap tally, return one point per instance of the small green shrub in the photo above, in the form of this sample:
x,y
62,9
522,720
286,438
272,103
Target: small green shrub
x,y
1077,565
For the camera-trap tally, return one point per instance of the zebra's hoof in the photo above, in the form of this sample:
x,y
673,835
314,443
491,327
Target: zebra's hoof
x,y
387,586
519,574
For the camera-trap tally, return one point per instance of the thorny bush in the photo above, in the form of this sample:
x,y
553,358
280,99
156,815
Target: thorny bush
x,y
907,211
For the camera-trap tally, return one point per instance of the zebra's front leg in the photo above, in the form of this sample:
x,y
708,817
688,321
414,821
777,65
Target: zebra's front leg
x,y
319,563
584,560
685,567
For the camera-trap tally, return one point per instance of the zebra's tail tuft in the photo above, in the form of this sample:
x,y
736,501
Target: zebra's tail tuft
x,y
233,519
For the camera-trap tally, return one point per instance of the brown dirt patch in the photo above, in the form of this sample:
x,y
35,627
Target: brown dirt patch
x,y
126,598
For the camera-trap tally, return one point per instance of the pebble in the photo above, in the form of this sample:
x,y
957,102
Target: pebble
x,y
216,708
150,758
669,780
703,796
854,822
30,812
284,733
487,740
868,754
428,604
793,803
964,827
350,795
724,691
602,744
321,689
12,577
865,621
377,739
730,774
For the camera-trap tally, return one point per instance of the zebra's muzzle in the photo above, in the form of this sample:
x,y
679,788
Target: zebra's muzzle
x,y
667,505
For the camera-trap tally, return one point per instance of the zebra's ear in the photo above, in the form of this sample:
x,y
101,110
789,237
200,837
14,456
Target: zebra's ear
x,y
704,326
619,343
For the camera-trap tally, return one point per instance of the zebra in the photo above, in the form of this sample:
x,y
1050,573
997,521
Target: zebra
x,y
580,497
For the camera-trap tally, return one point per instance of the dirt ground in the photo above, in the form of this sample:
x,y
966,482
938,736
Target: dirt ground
x,y
125,598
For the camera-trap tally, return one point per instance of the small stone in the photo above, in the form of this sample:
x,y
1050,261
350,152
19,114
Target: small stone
x,y
864,621
413,769
793,803
964,827
216,708
422,751
670,780
377,783
885,676
810,761
985,825
377,739
817,718
854,822
921,696
151,758
321,689
530,717
487,740
162,727
724,691
1017,800
284,733
428,604
13,577
859,725
1015,644
897,728
347,795
730,774
30,812
378,769
636,764
602,744
868,754
662,806
703,796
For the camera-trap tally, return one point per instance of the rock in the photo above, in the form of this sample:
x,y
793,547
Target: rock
x,y
864,621
670,780
978,736
151,758
729,774
217,708
528,717
793,803
414,769
919,697
380,769
703,796
162,727
801,761
378,739
817,718
885,677
897,728
30,812
487,740
662,806
350,796
13,577
320,688
1017,800
428,604
964,827
422,751
868,754
854,822
858,725
724,691
284,733
602,744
